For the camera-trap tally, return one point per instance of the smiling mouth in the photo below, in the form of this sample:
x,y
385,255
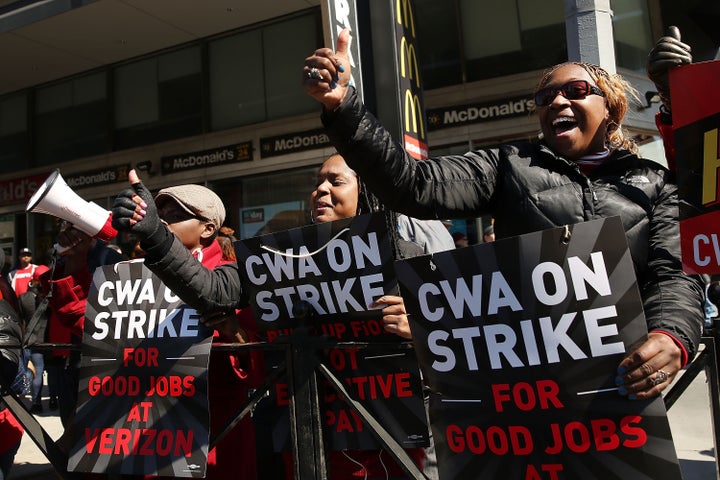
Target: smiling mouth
x,y
564,124
322,206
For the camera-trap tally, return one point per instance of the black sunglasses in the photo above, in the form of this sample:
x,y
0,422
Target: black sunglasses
x,y
575,90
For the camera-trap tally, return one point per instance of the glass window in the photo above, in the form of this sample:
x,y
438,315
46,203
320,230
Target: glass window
x,y
14,138
438,43
631,30
159,98
488,38
284,93
71,119
254,74
267,203
520,35
487,35
236,98
136,94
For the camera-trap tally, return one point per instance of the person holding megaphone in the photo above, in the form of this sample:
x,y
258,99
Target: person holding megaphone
x,y
80,248
70,283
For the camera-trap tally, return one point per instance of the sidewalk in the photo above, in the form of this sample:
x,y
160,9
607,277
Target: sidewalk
x,y
689,418
30,463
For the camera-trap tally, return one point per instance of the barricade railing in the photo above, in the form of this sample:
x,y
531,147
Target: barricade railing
x,y
707,360
301,367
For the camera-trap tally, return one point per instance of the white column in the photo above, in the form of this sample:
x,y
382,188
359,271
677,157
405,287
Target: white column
x,y
588,25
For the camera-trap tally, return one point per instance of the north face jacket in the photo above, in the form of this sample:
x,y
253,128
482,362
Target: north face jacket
x,y
528,188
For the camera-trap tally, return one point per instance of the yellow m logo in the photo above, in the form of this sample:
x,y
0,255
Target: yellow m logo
x,y
711,165
413,112
408,56
404,14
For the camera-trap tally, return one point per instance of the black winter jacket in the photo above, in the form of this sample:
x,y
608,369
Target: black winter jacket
x,y
527,188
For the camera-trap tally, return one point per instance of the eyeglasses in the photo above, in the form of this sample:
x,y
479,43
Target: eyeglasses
x,y
172,215
575,90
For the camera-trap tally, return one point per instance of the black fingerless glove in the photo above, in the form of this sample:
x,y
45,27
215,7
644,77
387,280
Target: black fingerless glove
x,y
150,230
668,52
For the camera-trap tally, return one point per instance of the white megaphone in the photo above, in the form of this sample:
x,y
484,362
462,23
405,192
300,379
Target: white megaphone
x,y
55,198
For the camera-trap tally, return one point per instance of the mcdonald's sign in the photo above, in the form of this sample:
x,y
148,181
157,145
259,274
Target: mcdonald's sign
x,y
414,121
711,167
413,113
409,58
409,82
404,15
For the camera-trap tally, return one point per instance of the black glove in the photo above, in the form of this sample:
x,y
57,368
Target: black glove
x,y
668,52
150,230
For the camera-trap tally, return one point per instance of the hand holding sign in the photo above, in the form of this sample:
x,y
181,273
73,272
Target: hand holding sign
x,y
394,315
326,74
650,368
226,323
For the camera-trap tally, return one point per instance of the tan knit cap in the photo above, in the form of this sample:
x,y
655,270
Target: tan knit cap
x,y
195,200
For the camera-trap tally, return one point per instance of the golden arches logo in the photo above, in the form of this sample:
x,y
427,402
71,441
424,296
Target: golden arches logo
x,y
711,167
409,57
404,14
413,111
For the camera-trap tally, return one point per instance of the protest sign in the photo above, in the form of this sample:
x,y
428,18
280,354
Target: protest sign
x,y
142,397
696,122
338,268
519,340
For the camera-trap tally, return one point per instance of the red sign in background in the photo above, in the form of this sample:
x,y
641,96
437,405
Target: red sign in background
x,y
696,117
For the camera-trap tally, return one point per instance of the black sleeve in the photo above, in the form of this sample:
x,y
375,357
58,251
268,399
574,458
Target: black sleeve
x,y
204,290
672,300
451,186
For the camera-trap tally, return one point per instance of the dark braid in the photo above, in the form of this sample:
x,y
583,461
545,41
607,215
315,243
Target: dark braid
x,y
369,203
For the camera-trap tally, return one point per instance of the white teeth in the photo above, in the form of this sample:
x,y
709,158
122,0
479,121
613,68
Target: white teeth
x,y
563,120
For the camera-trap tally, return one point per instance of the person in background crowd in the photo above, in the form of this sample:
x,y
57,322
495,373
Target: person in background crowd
x,y
28,303
431,235
489,234
226,239
11,431
195,214
668,52
712,302
20,277
460,239
220,289
583,168
339,194
70,282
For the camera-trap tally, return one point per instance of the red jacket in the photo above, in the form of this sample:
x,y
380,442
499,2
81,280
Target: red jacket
x,y
229,377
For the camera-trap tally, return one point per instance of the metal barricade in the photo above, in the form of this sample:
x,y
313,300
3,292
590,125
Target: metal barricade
x,y
301,369
707,360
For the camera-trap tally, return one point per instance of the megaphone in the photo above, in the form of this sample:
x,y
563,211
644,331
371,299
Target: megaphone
x,y
55,198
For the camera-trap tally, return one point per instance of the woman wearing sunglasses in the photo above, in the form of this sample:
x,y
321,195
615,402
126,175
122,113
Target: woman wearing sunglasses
x,y
582,168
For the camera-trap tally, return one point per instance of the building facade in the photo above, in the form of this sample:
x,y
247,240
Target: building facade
x,y
214,97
